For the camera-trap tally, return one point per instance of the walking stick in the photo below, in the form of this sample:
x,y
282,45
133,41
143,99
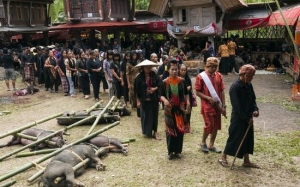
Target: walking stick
x,y
240,146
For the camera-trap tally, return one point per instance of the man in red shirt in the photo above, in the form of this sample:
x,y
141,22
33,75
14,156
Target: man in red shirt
x,y
210,88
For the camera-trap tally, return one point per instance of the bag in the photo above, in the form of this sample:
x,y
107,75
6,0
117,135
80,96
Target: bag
x,y
193,100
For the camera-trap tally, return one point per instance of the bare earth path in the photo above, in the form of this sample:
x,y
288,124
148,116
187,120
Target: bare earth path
x,y
277,140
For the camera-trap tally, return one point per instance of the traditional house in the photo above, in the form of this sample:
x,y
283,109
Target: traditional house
x,y
106,16
195,17
24,16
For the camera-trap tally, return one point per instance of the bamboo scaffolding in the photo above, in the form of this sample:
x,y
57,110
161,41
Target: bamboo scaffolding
x,y
8,183
30,125
33,138
100,115
44,151
37,161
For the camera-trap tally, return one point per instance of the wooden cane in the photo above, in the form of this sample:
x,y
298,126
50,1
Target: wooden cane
x,y
240,146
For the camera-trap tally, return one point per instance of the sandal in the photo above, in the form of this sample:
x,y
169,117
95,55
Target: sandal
x,y
155,136
215,150
223,162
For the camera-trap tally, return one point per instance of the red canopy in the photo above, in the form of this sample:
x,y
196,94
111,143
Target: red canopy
x,y
291,14
247,19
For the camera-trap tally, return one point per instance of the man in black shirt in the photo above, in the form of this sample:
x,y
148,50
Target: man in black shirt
x,y
27,61
39,66
45,53
9,71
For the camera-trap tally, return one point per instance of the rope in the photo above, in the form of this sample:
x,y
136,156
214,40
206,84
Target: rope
x,y
38,166
75,155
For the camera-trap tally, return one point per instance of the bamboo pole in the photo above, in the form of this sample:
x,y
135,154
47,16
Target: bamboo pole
x,y
93,107
289,30
44,151
79,122
8,183
37,161
29,145
100,115
113,108
30,125
33,138
128,140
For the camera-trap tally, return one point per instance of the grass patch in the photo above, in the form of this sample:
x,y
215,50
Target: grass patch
x,y
285,102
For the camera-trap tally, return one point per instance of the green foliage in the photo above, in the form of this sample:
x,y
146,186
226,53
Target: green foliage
x,y
57,12
142,4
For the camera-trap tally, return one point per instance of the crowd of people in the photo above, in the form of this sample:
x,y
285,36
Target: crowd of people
x,y
145,83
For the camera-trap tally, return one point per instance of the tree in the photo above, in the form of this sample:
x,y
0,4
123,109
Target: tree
x,y
57,11
142,4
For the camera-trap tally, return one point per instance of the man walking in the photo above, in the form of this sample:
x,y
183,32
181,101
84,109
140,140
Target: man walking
x,y
244,108
210,88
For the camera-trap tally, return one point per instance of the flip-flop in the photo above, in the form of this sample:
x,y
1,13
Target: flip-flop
x,y
214,149
251,165
156,137
223,163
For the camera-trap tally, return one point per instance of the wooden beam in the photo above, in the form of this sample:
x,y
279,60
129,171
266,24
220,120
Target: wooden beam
x,y
185,3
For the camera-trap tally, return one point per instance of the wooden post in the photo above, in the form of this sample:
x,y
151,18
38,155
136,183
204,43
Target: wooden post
x,y
100,115
37,161
29,125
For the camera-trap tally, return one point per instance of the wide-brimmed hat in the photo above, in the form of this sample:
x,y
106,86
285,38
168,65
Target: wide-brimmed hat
x,y
147,63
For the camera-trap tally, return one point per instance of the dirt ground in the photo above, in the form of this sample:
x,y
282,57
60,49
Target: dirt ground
x,y
146,163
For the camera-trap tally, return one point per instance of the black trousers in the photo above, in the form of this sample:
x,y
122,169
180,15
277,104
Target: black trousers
x,y
96,85
47,78
118,89
85,84
41,77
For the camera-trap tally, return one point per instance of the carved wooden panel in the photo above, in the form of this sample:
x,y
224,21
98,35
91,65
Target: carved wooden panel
x,y
118,9
2,11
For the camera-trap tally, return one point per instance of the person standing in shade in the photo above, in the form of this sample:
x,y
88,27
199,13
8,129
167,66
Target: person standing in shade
x,y
174,94
210,88
70,69
231,50
108,73
83,75
94,68
244,109
115,68
146,88
224,63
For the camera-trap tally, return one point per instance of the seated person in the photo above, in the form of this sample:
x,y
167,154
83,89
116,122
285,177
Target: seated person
x,y
276,62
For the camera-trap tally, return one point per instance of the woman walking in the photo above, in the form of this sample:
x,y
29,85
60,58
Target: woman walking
x,y
174,94
146,88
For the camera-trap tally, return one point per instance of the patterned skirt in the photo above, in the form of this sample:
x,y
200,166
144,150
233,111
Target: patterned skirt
x,y
65,84
29,73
